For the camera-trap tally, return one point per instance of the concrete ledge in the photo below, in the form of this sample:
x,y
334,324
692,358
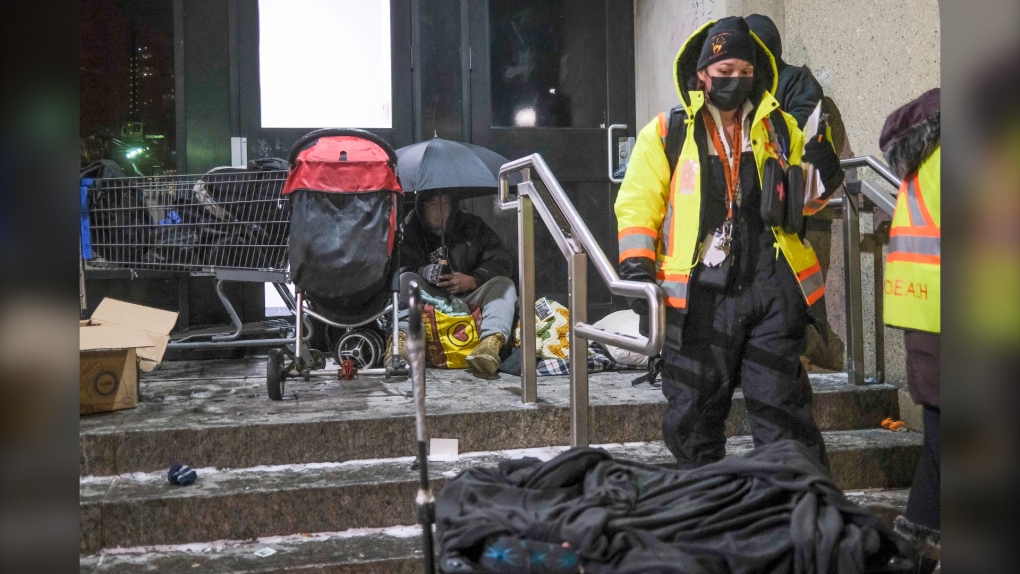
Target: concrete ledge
x,y
144,509
205,420
350,552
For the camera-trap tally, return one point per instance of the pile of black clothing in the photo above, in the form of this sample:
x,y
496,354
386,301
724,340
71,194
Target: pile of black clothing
x,y
772,510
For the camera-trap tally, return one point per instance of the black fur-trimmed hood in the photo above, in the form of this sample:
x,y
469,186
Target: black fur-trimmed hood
x,y
914,146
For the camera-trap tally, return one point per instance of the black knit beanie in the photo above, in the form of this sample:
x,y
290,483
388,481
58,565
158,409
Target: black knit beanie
x,y
728,38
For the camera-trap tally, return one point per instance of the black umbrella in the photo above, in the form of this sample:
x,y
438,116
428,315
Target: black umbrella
x,y
465,169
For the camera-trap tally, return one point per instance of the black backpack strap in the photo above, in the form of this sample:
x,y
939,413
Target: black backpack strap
x,y
654,368
676,133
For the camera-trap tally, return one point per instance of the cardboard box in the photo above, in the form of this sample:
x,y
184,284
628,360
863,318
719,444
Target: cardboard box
x,y
118,339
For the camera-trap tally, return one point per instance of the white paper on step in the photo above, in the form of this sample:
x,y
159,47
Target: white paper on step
x,y
443,449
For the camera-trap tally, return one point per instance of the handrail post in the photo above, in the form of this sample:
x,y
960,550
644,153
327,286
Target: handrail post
x,y
577,278
878,264
526,300
852,288
577,245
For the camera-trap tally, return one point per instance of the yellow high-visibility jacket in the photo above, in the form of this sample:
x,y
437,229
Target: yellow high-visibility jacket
x,y
659,213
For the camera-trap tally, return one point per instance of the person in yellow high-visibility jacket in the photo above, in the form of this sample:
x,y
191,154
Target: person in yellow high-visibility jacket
x,y
911,140
738,286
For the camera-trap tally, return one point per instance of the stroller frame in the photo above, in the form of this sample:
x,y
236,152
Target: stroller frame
x,y
305,359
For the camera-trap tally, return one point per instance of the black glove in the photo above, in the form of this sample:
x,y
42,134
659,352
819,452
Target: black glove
x,y
640,306
819,153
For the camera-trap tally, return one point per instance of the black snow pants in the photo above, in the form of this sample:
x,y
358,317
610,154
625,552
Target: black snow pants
x,y
751,336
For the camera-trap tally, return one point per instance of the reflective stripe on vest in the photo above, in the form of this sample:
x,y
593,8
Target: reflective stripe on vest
x,y
918,239
913,283
906,248
812,283
814,206
675,287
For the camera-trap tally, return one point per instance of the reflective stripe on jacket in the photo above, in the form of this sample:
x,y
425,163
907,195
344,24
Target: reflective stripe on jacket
x,y
913,276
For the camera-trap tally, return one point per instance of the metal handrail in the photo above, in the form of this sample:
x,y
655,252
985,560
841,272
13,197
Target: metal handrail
x,y
576,243
585,243
852,263
870,161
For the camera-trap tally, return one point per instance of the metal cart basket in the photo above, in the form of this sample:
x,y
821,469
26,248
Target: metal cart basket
x,y
230,223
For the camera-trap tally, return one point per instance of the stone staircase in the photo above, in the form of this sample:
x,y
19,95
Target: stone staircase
x,y
324,478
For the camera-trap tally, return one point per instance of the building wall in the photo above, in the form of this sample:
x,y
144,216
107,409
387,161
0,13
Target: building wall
x,y
870,56
660,28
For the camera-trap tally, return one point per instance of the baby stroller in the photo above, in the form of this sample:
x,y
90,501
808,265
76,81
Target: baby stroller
x,y
344,196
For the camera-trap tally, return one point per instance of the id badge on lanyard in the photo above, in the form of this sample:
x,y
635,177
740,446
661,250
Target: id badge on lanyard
x,y
716,247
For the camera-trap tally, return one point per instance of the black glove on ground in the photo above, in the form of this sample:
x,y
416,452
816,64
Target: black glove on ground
x,y
824,158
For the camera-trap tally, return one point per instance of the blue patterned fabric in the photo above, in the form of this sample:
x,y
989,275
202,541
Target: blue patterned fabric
x,y
510,554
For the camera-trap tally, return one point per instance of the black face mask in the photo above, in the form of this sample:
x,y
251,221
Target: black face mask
x,y
728,93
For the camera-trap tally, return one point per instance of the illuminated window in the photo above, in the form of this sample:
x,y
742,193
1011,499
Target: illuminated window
x,y
325,63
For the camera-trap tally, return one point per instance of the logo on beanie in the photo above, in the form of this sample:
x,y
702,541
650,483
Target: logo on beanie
x,y
718,42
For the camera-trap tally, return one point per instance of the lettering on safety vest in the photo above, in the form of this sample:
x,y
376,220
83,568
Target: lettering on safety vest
x,y
901,288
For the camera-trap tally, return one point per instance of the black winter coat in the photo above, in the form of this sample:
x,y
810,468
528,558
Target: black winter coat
x,y
798,92
474,248
773,510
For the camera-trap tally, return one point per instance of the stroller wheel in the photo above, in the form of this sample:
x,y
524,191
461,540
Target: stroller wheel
x,y
274,374
361,346
318,359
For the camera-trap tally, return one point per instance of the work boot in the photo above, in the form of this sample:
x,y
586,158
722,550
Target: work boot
x,y
401,347
485,356
927,544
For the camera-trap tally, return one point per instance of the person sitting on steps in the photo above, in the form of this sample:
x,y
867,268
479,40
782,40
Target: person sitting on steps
x,y
478,271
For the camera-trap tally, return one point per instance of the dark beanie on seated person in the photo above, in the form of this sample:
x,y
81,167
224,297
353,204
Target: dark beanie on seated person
x,y
728,38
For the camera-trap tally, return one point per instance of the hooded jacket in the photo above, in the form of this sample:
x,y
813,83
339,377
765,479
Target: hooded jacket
x,y
661,215
474,248
797,91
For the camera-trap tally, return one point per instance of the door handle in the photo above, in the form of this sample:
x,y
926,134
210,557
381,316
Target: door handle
x,y
609,150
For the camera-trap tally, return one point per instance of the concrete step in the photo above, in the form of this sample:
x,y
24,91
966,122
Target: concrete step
x,y
886,504
360,551
395,550
144,509
216,413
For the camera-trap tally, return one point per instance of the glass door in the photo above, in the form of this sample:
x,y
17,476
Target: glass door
x,y
550,76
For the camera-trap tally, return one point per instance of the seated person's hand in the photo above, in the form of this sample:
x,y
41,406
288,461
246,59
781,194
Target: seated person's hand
x,y
456,283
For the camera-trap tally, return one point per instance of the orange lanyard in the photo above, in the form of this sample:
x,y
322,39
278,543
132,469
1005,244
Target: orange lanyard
x,y
732,174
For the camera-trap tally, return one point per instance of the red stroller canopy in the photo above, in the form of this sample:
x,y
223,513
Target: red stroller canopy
x,y
343,164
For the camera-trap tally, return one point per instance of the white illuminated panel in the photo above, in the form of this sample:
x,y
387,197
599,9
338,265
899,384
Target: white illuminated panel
x,y
325,63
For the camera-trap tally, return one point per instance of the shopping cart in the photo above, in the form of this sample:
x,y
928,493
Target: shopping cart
x,y
230,223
